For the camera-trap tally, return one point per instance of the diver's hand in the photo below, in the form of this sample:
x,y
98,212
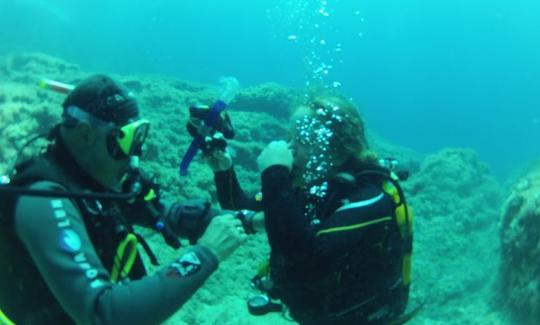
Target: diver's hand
x,y
276,153
219,160
258,222
223,236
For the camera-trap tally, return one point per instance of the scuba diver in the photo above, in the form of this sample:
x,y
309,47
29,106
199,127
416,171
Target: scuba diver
x,y
67,243
336,219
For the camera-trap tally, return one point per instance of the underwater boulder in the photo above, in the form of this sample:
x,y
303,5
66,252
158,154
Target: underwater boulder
x,y
455,203
520,241
31,67
270,98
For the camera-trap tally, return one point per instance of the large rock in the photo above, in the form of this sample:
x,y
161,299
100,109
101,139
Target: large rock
x,y
270,98
29,67
456,202
520,237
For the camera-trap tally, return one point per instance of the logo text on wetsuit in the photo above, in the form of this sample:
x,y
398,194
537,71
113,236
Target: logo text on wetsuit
x,y
70,241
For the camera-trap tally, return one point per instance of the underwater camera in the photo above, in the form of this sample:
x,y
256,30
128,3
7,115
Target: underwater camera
x,y
209,127
215,135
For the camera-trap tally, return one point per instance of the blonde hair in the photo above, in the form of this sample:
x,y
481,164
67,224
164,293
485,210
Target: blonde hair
x,y
342,118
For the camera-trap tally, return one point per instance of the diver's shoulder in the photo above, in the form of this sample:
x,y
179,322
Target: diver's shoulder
x,y
46,185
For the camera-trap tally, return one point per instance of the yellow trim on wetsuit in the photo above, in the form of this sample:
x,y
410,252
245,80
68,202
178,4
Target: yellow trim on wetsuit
x,y
4,320
406,269
402,211
391,190
263,269
150,195
404,219
122,266
353,227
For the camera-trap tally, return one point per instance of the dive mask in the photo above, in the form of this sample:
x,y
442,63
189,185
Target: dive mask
x,y
122,141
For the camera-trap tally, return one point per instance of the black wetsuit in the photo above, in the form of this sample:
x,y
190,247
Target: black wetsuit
x,y
57,255
335,260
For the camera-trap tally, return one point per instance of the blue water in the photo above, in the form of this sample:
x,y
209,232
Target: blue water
x,y
426,74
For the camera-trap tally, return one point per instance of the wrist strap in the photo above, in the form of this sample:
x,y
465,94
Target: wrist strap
x,y
246,217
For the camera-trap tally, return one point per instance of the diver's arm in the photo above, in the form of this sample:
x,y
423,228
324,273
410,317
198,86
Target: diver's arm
x,y
230,194
189,219
286,226
289,234
55,235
